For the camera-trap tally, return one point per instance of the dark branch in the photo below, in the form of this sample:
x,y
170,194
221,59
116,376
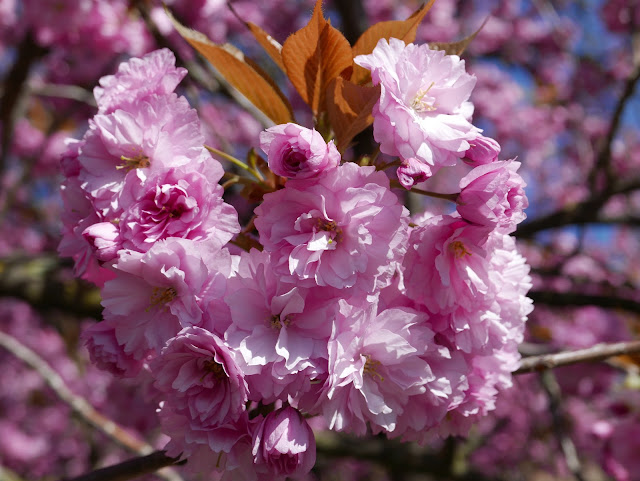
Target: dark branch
x,y
129,469
569,299
13,90
560,424
603,161
43,283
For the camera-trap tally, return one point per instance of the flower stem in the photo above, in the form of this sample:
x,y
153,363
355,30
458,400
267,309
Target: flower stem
x,y
437,195
256,173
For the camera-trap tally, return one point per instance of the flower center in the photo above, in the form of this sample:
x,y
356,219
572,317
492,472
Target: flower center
x,y
330,226
215,368
276,322
136,162
459,250
160,296
422,102
371,366
293,159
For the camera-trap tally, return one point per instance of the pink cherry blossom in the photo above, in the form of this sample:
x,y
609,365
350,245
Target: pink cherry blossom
x,y
297,152
377,364
208,449
155,134
279,329
343,230
157,293
107,353
137,79
423,112
104,238
181,202
446,265
200,378
483,150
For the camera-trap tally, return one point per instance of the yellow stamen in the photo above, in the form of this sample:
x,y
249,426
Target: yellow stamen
x,y
276,323
212,367
370,367
160,297
418,104
330,226
459,250
137,162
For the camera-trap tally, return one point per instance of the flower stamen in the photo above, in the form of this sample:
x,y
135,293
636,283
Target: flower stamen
x,y
137,162
160,297
459,250
215,368
330,226
370,367
419,104
276,322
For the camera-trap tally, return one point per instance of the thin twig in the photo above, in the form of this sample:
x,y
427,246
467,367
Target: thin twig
x,y
70,92
554,394
437,195
79,405
86,412
598,352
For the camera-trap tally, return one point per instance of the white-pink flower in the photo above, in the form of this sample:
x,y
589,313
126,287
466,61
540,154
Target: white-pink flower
x,y
157,293
377,364
446,265
280,330
423,112
107,353
137,79
158,133
345,229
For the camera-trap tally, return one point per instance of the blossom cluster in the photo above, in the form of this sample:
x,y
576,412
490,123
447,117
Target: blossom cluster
x,y
353,310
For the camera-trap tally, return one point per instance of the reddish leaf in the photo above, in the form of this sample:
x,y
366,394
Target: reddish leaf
x,y
402,29
314,56
242,73
456,48
349,107
268,43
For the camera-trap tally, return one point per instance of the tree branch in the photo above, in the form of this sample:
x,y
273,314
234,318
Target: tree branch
x,y
552,389
587,211
598,352
603,160
132,468
79,405
41,282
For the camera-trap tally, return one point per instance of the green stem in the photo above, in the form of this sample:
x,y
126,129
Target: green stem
x,y
256,173
437,195
228,157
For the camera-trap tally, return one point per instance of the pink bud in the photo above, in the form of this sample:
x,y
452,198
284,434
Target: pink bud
x,y
283,444
297,152
484,150
412,172
104,238
493,195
